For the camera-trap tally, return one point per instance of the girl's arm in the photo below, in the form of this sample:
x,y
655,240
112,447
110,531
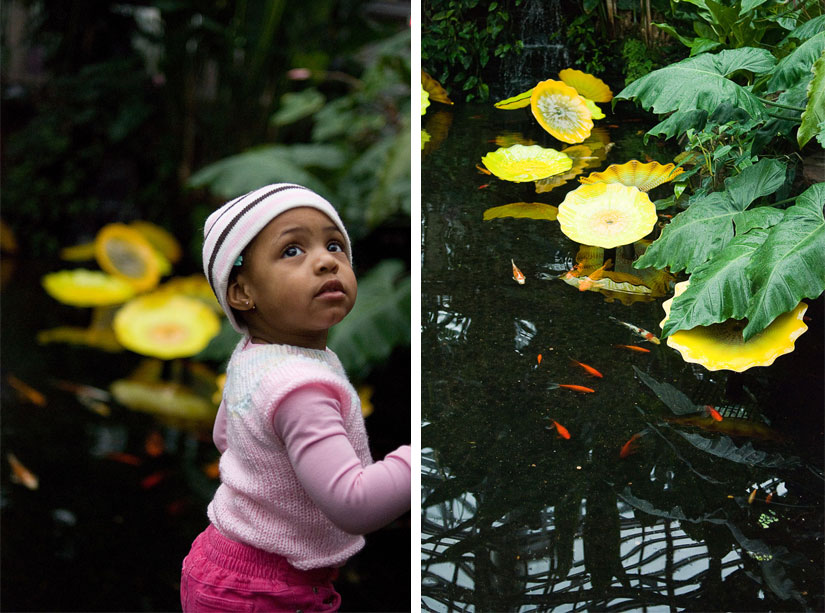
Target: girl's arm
x,y
356,498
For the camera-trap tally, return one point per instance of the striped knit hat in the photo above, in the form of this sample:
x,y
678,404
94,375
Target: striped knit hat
x,y
233,226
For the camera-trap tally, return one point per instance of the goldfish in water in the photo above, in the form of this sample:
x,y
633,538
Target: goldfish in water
x,y
21,474
26,391
597,274
590,370
648,336
538,359
483,170
634,348
575,388
753,495
768,498
518,276
709,410
630,447
563,432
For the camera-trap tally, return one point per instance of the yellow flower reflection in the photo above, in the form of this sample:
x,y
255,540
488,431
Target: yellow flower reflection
x,y
722,347
165,325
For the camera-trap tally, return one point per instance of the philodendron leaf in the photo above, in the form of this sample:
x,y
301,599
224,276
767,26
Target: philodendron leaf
x,y
790,264
760,217
797,65
724,447
719,289
701,83
379,322
704,229
814,113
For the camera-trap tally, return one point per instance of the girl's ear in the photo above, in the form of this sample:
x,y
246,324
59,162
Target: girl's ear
x,y
238,297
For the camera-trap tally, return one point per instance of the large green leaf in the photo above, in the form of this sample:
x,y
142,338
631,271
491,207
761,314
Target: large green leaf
x,y
696,234
701,83
790,264
724,447
238,174
797,66
379,322
719,289
678,123
675,400
807,30
814,113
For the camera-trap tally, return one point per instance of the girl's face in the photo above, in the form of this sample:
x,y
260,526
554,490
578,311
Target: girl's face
x,y
297,277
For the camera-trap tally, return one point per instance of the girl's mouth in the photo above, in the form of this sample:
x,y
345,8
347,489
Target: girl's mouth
x,y
331,288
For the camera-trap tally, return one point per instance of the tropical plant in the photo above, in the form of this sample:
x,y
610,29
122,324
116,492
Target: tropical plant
x,y
460,37
752,236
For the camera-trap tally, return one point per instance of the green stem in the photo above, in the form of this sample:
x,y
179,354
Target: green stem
x,y
782,106
785,201
794,119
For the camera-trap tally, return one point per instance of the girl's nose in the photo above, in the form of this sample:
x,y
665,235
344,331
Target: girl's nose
x,y
326,262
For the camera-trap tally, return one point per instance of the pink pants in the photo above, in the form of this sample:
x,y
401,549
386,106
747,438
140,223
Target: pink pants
x,y
222,575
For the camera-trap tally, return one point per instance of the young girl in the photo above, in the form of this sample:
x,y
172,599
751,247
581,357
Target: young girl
x,y
298,485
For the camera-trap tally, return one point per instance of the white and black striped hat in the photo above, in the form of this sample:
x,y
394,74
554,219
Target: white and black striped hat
x,y
233,226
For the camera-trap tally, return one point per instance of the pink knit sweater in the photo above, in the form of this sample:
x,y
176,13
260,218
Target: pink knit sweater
x,y
297,478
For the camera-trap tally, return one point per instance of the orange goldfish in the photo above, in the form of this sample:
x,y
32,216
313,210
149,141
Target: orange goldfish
x,y
483,170
638,331
630,447
538,359
590,370
563,433
483,186
597,274
575,388
768,498
26,391
634,348
154,444
518,276
21,474
709,410
753,495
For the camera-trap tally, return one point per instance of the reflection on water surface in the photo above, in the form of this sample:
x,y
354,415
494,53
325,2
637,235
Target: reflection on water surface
x,y
517,518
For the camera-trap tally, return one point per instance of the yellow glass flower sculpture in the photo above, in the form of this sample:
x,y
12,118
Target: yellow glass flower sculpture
x,y
165,325
722,347
587,85
582,157
606,215
160,239
561,111
194,286
425,100
521,163
642,176
87,288
124,252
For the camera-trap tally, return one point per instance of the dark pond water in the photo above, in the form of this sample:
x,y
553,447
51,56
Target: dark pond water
x,y
109,523
516,518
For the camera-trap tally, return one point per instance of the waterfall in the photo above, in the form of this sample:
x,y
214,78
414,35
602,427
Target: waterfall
x,y
538,24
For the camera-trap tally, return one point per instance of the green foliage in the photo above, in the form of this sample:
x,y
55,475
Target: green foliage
x,y
732,25
379,322
587,49
637,60
735,112
813,118
460,37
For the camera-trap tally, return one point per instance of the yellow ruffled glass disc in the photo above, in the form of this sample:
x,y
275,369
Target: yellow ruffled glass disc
x,y
425,100
520,163
587,85
606,215
165,325
87,288
124,252
722,347
561,111
635,173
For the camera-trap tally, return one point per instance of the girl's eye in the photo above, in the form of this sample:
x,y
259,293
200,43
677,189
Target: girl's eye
x,y
292,251
335,246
